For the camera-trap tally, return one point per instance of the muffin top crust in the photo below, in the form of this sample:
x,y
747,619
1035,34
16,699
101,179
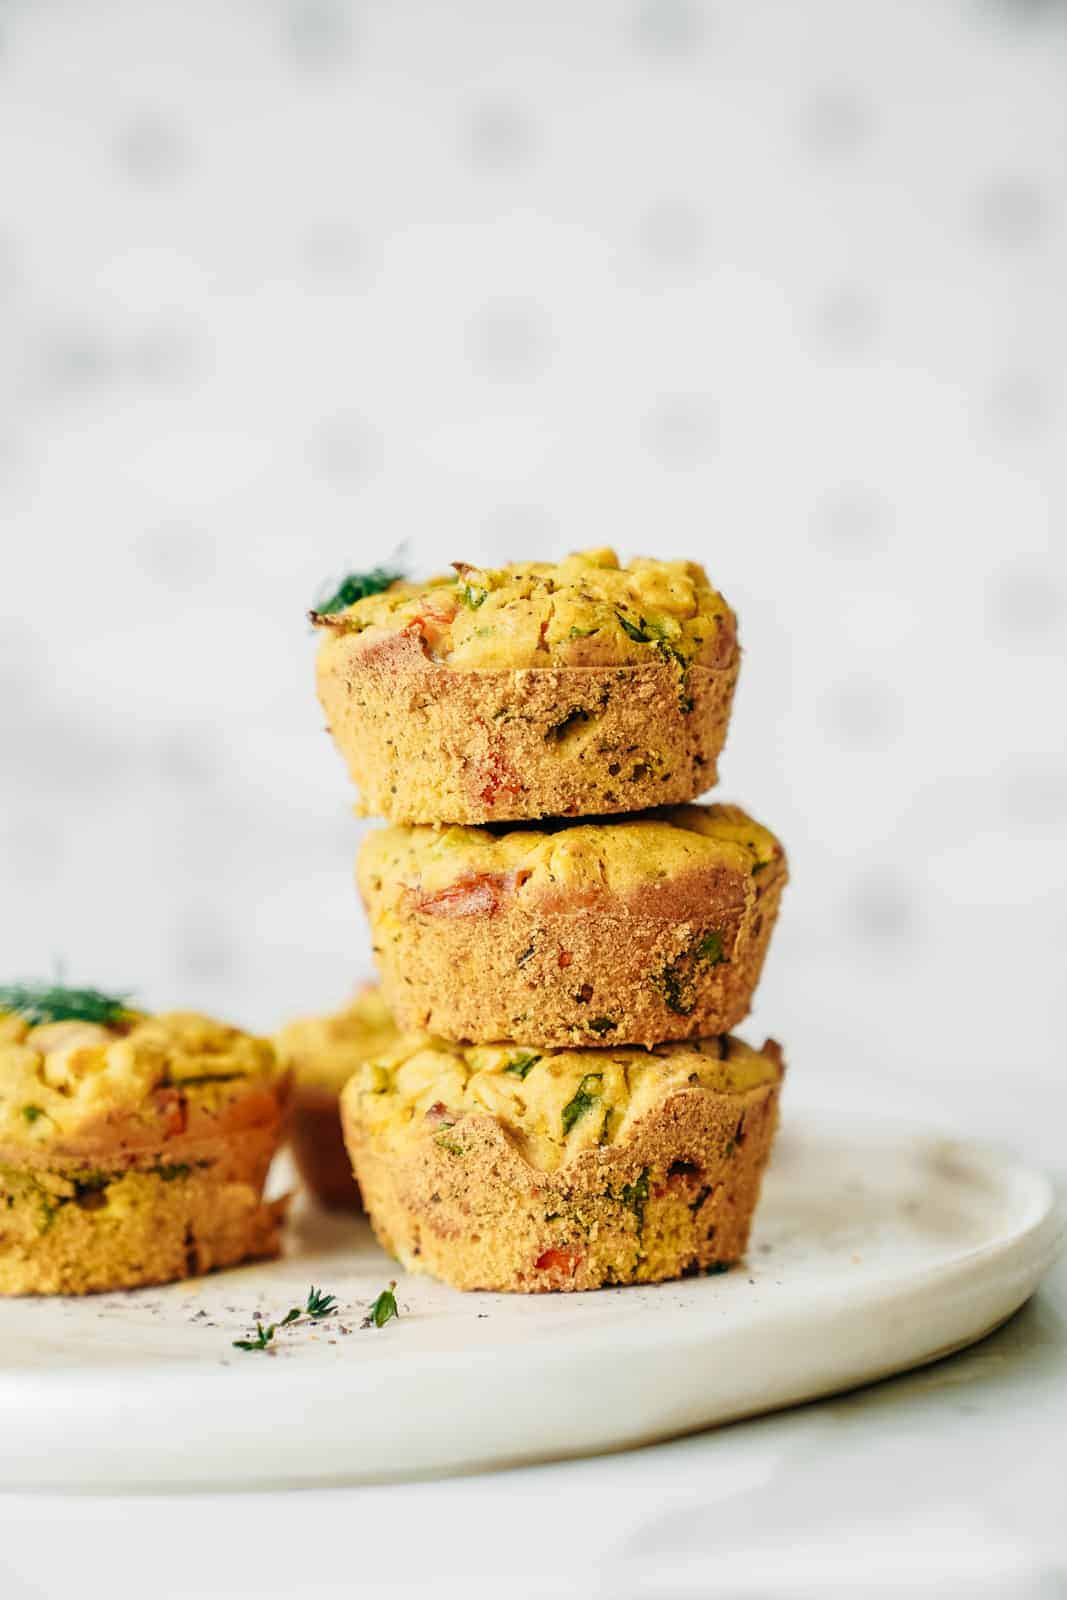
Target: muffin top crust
x,y
462,871
60,1079
553,1104
583,611
323,1052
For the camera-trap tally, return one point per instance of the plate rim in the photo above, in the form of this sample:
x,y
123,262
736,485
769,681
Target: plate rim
x,y
1041,1234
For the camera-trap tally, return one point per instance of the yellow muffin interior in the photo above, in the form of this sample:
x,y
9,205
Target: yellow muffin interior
x,y
585,610
554,1104
617,856
57,1076
323,1052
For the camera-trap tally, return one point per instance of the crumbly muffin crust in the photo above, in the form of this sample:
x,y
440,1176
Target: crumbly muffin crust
x,y
619,932
504,1167
133,1153
583,611
321,1053
568,689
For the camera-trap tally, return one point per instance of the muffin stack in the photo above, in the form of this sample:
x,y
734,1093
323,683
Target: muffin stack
x,y
563,939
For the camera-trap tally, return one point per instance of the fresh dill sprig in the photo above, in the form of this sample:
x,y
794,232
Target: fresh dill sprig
x,y
357,586
317,1306
54,1002
383,1309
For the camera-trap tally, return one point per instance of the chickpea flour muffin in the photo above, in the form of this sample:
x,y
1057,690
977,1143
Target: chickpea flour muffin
x,y
627,931
531,690
322,1053
133,1148
504,1167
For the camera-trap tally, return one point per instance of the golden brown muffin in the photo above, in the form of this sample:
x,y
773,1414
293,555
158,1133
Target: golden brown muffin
x,y
619,932
322,1053
502,1167
571,689
133,1149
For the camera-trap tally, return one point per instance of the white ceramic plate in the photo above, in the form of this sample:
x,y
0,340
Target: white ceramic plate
x,y
873,1253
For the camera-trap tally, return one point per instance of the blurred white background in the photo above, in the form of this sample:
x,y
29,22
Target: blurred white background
x,y
284,286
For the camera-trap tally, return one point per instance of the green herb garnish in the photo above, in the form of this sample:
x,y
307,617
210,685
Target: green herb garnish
x,y
520,1065
472,596
677,990
53,1002
635,1195
666,648
634,630
383,1309
261,1339
317,1305
677,981
581,633
357,586
645,631
583,1101
169,1171
31,1113
709,950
